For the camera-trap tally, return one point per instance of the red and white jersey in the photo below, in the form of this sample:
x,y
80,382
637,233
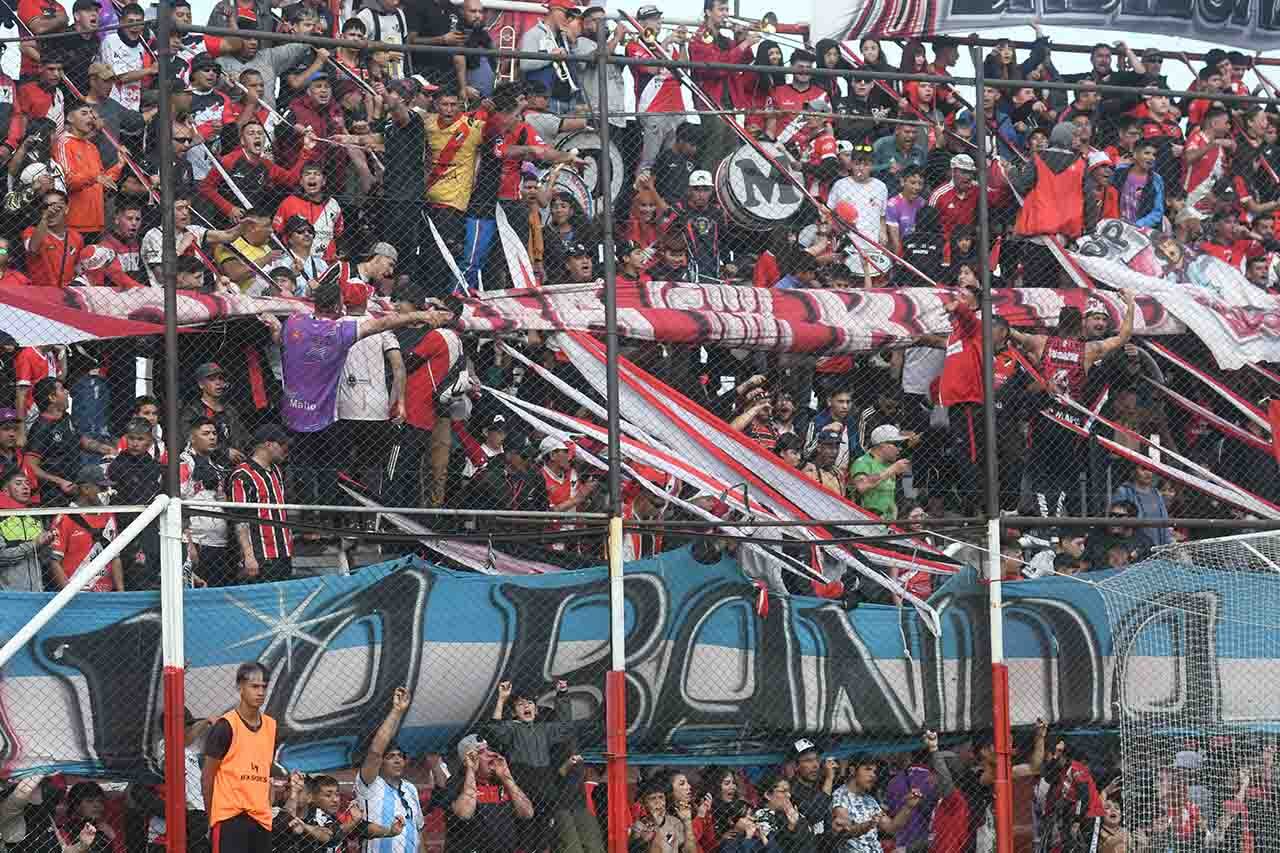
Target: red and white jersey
x,y
325,217
1200,176
123,59
788,100
77,540
559,489
662,92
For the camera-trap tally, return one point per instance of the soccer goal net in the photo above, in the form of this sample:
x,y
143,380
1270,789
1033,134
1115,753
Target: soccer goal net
x,y
1195,668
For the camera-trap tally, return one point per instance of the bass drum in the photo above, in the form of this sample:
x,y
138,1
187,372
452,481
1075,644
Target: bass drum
x,y
588,144
752,192
573,185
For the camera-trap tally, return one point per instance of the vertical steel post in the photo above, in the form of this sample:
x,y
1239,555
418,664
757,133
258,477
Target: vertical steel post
x,y
616,679
999,671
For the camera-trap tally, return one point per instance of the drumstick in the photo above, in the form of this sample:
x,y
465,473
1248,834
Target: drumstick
x,y
701,96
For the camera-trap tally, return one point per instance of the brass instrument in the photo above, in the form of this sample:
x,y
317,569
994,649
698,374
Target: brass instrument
x,y
506,71
767,25
560,67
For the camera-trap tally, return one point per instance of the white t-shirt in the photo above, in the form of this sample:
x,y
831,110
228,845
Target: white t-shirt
x,y
362,390
382,804
920,366
870,200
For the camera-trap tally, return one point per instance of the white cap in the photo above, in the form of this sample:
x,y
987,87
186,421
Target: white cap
x,y
844,146
1098,158
963,161
700,178
1096,307
551,444
886,434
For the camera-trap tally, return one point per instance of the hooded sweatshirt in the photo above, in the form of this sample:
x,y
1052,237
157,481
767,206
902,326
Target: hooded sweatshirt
x,y
1052,188
21,558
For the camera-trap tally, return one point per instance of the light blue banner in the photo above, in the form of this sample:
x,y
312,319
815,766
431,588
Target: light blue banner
x,y
708,676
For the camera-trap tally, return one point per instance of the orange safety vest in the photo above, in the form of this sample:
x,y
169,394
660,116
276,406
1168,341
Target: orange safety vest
x,y
243,782
1055,204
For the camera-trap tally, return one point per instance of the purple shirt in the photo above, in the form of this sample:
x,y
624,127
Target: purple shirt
x,y
895,797
314,350
902,213
1131,195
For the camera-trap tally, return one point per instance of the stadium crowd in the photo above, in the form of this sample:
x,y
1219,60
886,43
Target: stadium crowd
x,y
519,782
339,175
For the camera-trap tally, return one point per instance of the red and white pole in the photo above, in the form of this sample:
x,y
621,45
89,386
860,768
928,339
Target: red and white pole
x,y
1003,789
615,698
172,585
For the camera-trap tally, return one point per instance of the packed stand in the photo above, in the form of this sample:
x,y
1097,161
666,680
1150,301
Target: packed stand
x,y
520,781
336,175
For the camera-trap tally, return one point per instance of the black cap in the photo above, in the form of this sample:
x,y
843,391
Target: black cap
x,y
270,432
802,747
623,248
578,250
204,61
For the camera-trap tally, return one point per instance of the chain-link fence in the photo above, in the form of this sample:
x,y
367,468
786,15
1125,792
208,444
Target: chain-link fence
x,y
392,272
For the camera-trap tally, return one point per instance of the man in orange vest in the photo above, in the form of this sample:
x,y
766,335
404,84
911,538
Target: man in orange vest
x,y
236,778
1052,188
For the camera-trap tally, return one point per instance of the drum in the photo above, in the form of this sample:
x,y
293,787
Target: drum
x,y
588,144
862,256
751,191
575,186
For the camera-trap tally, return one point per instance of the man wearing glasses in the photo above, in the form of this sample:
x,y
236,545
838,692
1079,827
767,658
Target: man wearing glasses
x,y
383,792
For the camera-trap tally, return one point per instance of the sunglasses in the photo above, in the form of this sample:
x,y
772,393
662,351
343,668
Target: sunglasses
x,y
865,149
1119,515
186,139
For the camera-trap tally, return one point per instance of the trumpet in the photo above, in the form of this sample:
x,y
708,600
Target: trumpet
x,y
767,24
561,68
507,67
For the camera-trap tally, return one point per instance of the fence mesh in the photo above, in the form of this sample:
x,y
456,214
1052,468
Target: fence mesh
x,y
390,277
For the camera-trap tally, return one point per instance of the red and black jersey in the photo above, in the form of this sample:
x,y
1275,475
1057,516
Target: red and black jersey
x,y
1063,364
498,175
962,368
252,483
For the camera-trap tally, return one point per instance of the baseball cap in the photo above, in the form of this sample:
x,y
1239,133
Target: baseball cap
x,y
577,250
886,434
386,250
648,12
700,178
963,161
1096,307
802,746
561,4
497,422
208,370
828,436
204,61
9,415
623,248
102,70
270,432
550,445
297,223
84,6
427,85
318,76
95,474
469,743
592,9
1098,158
844,146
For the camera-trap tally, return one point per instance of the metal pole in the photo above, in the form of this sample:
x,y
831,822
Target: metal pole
x,y
999,671
175,812
616,679
168,257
